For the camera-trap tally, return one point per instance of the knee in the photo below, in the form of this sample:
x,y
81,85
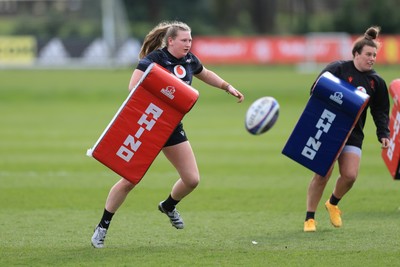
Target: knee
x,y
125,185
192,180
349,176
320,180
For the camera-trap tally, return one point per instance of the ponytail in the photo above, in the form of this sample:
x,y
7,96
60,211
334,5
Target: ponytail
x,y
157,38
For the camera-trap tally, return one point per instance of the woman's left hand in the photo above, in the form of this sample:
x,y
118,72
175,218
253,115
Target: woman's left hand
x,y
236,93
385,143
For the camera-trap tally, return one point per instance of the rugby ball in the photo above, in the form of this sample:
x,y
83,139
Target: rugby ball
x,y
262,115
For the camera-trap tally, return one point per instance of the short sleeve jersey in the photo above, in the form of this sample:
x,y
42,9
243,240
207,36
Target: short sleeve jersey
x,y
183,68
372,84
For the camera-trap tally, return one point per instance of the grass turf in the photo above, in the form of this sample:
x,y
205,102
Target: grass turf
x,y
52,195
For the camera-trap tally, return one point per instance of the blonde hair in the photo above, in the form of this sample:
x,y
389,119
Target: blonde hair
x,y
158,36
369,38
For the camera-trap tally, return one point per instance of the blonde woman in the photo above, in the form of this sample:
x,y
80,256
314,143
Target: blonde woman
x,y
168,44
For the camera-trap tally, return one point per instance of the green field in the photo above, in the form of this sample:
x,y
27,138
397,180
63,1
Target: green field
x,y
52,195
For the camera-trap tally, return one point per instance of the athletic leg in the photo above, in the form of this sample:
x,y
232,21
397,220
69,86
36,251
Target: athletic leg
x,y
182,158
116,197
315,190
349,164
118,194
314,194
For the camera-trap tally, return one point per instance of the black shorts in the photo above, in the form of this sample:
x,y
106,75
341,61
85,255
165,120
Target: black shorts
x,y
178,136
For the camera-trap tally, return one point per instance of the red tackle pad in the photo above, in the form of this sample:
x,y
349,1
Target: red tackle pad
x,y
143,124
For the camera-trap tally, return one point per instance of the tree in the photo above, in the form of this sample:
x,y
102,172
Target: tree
x,y
263,14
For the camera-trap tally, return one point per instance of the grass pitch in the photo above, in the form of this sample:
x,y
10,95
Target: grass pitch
x,y
248,210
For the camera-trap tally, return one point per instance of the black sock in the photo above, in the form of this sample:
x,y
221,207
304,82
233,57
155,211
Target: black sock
x,y
106,219
169,204
310,215
334,200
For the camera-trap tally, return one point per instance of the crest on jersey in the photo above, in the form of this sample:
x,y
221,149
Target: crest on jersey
x,y
179,71
362,89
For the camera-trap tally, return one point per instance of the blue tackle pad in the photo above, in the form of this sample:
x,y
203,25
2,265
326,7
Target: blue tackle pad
x,y
325,124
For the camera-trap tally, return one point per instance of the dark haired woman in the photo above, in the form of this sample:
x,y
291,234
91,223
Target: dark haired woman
x,y
360,74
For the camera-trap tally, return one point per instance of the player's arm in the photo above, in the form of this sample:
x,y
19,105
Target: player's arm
x,y
213,79
142,66
136,76
379,108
